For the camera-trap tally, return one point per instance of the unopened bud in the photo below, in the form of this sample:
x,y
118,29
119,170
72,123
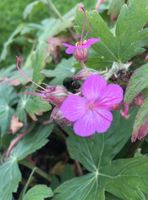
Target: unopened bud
x,y
81,54
139,99
54,94
125,111
141,132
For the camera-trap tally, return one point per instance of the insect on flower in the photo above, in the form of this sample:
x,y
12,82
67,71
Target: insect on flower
x,y
80,49
90,112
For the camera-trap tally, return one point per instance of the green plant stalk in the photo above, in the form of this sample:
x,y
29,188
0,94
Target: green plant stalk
x,y
27,183
38,170
54,9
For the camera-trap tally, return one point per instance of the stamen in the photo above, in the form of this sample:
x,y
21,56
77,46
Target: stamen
x,y
18,62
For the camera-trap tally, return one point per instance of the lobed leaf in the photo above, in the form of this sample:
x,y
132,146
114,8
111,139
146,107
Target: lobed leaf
x,y
63,69
38,192
126,41
7,100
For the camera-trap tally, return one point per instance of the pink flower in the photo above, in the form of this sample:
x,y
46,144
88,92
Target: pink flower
x,y
91,112
80,49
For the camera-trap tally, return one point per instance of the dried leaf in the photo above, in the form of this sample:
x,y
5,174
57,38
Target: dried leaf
x,y
15,124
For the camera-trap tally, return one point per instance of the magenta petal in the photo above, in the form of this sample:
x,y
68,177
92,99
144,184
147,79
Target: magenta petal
x,y
93,87
73,108
86,125
112,94
90,42
104,119
70,48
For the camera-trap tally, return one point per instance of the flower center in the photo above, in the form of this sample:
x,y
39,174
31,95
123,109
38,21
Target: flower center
x,y
91,105
80,43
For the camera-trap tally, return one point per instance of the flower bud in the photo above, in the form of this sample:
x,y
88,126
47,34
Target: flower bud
x,y
81,54
54,94
139,99
141,132
125,111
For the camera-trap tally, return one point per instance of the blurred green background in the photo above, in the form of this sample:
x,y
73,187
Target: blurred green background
x,y
11,13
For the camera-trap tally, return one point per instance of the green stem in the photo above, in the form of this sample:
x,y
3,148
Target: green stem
x,y
38,170
28,182
54,9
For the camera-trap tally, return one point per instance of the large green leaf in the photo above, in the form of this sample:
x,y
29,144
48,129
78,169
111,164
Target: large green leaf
x,y
96,154
129,29
63,69
38,192
137,83
8,98
10,176
101,149
128,39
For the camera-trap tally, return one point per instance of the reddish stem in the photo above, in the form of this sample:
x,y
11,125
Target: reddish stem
x,y
18,62
84,22
15,141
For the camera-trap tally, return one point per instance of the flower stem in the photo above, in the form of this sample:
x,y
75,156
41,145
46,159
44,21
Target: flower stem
x,y
27,183
15,141
37,170
52,7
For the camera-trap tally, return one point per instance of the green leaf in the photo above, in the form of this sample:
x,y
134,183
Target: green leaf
x,y
9,42
115,6
32,106
132,19
38,192
7,100
6,72
128,39
10,177
50,28
101,148
124,178
30,7
63,69
32,142
137,83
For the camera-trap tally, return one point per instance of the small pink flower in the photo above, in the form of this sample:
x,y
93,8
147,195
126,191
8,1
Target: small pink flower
x,y
91,112
80,49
